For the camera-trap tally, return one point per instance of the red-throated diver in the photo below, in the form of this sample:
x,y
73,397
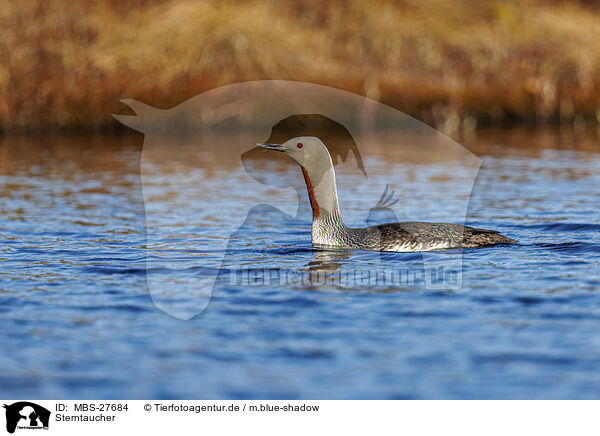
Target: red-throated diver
x,y
328,229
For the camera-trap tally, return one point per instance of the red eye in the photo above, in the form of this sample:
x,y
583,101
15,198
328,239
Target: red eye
x,y
299,145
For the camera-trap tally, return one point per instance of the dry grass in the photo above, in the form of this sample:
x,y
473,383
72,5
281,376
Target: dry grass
x,y
66,64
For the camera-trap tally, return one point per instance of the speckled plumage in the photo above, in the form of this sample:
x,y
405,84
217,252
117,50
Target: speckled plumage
x,y
410,236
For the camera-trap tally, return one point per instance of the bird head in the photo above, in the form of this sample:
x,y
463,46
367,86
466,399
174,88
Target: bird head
x,y
306,151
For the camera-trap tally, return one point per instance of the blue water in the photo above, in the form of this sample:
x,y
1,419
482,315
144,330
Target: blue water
x,y
78,321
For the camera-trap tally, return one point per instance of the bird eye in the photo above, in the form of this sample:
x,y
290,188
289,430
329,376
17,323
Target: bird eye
x,y
299,145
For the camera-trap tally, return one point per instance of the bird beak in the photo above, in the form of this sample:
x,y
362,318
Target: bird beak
x,y
276,147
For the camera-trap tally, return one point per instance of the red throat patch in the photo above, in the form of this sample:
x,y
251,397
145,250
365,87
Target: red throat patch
x,y
311,193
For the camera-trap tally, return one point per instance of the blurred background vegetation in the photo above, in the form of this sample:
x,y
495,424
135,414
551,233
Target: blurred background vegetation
x,y
454,64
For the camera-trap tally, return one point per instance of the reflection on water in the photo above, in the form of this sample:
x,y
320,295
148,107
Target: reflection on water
x,y
78,320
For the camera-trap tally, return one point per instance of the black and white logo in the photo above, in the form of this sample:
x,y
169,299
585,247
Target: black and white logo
x,y
26,415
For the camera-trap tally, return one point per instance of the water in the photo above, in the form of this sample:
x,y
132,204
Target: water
x,y
78,320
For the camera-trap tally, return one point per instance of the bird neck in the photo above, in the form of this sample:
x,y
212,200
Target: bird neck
x,y
322,194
